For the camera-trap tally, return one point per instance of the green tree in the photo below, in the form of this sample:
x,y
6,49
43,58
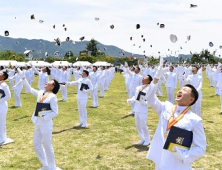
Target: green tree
x,y
92,46
68,54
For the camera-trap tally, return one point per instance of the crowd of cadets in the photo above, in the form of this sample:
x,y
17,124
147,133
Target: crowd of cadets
x,y
138,79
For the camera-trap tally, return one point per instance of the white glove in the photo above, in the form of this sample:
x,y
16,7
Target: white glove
x,y
137,101
84,91
179,153
143,102
42,117
159,71
130,101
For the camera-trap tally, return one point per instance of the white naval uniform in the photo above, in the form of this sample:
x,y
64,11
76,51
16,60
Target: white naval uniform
x,y
3,111
102,83
171,84
11,74
94,77
219,85
43,79
82,99
141,112
107,79
43,129
164,159
136,80
64,79
196,81
17,89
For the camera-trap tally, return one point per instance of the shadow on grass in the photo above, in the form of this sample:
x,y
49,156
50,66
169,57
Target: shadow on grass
x,y
124,117
74,127
14,107
140,148
20,118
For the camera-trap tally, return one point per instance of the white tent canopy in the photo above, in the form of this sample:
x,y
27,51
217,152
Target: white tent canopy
x,y
6,62
60,63
101,63
21,64
39,63
82,63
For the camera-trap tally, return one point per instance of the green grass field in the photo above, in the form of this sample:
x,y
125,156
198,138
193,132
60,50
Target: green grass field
x,y
109,140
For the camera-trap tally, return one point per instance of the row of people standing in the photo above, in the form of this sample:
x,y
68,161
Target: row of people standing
x,y
182,117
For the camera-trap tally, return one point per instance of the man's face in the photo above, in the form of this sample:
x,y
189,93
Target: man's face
x,y
183,97
194,70
137,70
49,86
171,69
2,76
84,75
94,69
44,69
145,80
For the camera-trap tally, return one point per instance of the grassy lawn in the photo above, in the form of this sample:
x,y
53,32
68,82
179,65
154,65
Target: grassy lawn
x,y
109,140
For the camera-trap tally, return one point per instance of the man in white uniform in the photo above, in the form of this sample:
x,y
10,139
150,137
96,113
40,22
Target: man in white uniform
x,y
184,119
94,77
171,84
43,123
82,96
102,81
4,96
43,77
64,78
136,80
141,111
196,81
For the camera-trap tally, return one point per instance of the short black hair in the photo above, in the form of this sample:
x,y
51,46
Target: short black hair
x,y
150,78
138,68
85,71
48,70
133,68
56,87
194,93
5,75
196,67
1,67
172,67
95,67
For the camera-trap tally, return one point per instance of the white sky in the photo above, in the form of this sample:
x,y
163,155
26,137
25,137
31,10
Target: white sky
x,y
203,23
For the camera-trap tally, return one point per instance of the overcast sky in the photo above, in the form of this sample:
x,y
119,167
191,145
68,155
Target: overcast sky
x,y
203,23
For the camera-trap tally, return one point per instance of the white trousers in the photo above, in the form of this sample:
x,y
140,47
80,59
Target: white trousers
x,y
3,112
181,83
102,88
160,90
30,82
132,93
11,83
142,128
64,92
211,81
17,92
94,96
170,94
196,108
220,93
43,134
106,84
82,111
